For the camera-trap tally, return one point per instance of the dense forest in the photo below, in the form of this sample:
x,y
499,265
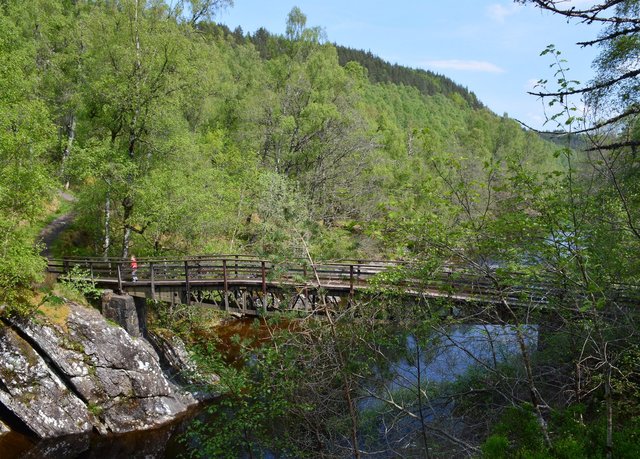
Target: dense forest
x,y
178,136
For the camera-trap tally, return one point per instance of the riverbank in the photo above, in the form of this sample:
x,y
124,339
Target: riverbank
x,y
76,373
161,442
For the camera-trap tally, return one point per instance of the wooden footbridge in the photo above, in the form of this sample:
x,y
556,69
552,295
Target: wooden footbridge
x,y
249,285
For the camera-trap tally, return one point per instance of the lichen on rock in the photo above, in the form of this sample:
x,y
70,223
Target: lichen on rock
x,y
35,394
93,372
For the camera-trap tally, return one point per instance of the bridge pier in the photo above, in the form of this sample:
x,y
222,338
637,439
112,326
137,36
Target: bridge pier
x,y
126,311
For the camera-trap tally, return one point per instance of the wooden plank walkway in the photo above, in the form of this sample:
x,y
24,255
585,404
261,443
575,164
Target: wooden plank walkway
x,y
233,276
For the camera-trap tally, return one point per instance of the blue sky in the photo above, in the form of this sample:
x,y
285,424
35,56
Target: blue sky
x,y
492,47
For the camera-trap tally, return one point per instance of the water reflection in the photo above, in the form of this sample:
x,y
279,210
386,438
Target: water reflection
x,y
450,352
152,444
413,400
425,362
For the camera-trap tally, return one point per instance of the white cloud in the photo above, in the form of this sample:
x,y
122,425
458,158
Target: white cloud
x,y
499,13
466,65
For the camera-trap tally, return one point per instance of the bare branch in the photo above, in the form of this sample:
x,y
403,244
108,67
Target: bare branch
x,y
603,85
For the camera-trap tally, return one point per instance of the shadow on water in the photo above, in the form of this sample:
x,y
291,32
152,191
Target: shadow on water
x,y
162,442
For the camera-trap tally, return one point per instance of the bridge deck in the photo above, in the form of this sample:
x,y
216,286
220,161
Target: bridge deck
x,y
185,280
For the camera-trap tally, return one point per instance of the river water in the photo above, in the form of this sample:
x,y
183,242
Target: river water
x,y
157,443
458,348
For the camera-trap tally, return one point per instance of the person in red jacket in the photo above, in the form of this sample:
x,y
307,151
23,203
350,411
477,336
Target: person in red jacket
x,y
134,269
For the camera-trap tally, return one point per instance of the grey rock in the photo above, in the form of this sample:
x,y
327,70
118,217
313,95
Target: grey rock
x,y
34,393
4,429
122,310
179,366
119,376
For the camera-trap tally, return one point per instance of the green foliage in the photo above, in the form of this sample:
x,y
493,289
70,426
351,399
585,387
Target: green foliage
x,y
251,417
495,447
25,135
20,265
519,435
95,409
79,279
520,426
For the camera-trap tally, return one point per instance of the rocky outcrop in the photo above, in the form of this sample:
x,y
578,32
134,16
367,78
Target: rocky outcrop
x,y
178,365
84,373
4,428
35,394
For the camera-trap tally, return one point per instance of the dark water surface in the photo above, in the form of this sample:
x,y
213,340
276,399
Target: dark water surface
x,y
460,347
157,443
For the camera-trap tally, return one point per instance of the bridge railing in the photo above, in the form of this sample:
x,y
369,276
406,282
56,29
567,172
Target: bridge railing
x,y
233,270
228,269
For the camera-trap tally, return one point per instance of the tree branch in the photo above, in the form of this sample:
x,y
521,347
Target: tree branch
x,y
610,36
602,85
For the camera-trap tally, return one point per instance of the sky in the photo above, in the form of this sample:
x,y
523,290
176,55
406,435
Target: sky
x,y
490,46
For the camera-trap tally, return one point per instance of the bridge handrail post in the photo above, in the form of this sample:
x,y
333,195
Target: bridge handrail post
x,y
263,269
226,286
235,270
152,277
119,269
351,282
91,270
304,273
187,286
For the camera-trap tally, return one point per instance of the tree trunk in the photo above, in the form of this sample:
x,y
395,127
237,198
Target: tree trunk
x,y
67,150
609,404
127,205
127,202
353,415
533,391
107,226
423,425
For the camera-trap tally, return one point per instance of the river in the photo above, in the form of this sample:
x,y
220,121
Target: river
x,y
488,344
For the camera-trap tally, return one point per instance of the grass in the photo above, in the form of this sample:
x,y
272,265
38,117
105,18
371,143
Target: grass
x,y
95,409
56,314
48,301
72,242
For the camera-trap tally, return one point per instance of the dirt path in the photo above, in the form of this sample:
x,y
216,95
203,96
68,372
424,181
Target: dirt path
x,y
53,230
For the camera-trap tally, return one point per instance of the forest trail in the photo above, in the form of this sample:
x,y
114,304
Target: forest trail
x,y
52,231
